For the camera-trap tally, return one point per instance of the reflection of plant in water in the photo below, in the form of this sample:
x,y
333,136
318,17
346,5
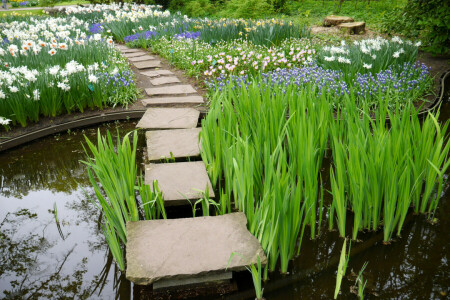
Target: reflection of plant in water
x,y
19,263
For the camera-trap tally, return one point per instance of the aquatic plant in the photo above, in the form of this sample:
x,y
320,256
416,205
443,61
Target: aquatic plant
x,y
113,174
342,267
269,163
383,166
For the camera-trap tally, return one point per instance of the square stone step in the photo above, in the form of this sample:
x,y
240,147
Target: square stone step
x,y
121,47
134,54
173,100
141,58
169,118
178,249
180,182
147,64
171,90
156,73
164,80
130,50
179,142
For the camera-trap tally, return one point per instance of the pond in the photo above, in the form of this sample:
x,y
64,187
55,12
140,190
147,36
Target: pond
x,y
41,260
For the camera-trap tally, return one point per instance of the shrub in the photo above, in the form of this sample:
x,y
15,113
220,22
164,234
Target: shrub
x,y
428,20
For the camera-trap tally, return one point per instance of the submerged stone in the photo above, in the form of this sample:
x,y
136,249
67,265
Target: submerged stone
x,y
183,248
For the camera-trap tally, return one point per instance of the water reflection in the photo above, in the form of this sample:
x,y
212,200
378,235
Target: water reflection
x,y
37,263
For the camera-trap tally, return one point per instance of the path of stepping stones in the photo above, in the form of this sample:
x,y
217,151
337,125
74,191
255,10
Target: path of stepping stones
x,y
198,248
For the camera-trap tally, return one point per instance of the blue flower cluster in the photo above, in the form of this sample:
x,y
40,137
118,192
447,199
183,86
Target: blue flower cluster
x,y
25,3
398,79
402,79
187,35
121,79
96,28
147,35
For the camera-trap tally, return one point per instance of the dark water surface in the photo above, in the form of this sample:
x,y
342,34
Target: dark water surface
x,y
38,260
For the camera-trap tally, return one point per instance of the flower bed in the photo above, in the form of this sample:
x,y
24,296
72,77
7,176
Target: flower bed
x,y
51,66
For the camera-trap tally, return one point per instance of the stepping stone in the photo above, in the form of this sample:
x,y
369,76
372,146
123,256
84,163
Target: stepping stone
x,y
169,118
353,28
130,50
173,100
156,73
179,142
147,64
336,20
177,249
121,47
134,54
179,182
164,80
141,58
171,90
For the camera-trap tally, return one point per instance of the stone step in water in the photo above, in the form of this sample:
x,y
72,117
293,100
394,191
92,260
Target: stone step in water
x,y
173,143
164,80
161,251
169,118
141,58
147,64
134,54
180,182
172,100
156,73
171,90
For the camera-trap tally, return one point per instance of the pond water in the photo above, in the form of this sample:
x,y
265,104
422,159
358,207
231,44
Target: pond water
x,y
40,260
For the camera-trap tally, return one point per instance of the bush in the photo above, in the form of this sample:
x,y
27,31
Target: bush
x,y
428,20
248,9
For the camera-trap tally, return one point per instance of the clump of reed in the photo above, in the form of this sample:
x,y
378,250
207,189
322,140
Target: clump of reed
x,y
263,149
384,166
114,176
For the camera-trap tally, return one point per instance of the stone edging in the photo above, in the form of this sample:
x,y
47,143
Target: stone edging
x,y
82,122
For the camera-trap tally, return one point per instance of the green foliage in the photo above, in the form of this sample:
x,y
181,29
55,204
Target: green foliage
x,y
199,8
380,171
113,173
428,20
248,9
343,262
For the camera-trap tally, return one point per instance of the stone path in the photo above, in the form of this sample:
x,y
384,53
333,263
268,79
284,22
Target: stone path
x,y
180,252
172,131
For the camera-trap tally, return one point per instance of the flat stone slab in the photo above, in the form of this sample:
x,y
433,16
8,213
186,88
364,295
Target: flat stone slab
x,y
173,100
336,20
134,54
121,47
169,118
147,64
179,142
130,50
141,58
171,90
157,73
182,248
164,80
179,182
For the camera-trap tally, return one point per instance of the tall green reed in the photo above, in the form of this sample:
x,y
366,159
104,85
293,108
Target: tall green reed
x,y
383,166
112,171
264,149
